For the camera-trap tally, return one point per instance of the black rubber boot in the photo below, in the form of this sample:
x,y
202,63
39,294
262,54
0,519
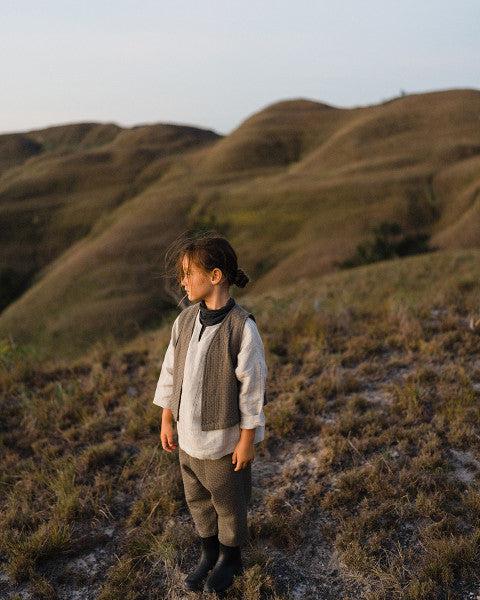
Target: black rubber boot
x,y
228,565
208,558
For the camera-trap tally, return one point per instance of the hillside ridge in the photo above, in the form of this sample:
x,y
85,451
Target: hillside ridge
x,y
296,187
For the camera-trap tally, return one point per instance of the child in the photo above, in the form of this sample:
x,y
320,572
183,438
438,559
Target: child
x,y
212,383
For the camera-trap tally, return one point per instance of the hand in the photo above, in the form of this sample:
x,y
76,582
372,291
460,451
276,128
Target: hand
x,y
244,452
166,432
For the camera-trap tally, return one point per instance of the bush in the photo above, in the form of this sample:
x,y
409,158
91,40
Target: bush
x,y
12,285
387,242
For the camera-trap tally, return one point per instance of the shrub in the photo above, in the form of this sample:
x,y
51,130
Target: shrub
x,y
387,243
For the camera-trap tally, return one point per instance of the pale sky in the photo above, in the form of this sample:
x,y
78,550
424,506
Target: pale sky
x,y
213,63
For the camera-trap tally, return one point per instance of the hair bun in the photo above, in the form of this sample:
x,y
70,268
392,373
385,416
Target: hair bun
x,y
241,279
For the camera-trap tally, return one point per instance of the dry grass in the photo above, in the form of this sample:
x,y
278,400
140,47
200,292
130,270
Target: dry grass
x,y
393,391
372,429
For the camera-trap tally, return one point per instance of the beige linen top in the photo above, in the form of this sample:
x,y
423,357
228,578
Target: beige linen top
x,y
251,371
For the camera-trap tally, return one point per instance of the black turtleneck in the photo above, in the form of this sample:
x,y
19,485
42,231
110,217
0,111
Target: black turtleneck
x,y
209,316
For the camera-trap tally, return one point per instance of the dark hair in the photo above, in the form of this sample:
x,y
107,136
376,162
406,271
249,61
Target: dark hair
x,y
209,251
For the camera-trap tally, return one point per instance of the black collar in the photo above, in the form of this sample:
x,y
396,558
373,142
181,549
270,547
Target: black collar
x,y
209,316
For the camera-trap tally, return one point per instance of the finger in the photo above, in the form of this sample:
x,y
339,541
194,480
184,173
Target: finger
x,y
234,458
165,444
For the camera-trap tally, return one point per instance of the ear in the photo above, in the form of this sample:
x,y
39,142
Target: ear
x,y
216,276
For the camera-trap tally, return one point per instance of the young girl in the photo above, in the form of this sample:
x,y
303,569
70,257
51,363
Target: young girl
x,y
212,383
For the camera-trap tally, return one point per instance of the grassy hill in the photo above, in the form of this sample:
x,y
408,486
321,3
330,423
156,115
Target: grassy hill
x,y
87,210
367,484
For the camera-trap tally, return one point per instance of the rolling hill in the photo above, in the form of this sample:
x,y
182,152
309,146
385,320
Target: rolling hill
x,y
87,210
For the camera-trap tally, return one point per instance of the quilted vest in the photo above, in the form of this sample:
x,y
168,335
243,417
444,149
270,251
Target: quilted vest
x,y
220,387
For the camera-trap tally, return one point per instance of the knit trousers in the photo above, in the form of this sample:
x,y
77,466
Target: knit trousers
x,y
217,497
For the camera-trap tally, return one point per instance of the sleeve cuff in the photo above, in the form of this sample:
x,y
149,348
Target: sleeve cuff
x,y
163,402
251,421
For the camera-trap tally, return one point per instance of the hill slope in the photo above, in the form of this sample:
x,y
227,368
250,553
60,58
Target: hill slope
x,y
296,188
366,486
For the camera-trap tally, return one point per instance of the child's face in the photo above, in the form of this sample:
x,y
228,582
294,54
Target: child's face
x,y
197,282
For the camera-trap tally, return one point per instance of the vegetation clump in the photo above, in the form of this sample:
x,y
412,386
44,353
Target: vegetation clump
x,y
388,241
12,285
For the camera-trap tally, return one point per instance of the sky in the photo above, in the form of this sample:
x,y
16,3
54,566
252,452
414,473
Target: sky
x,y
214,63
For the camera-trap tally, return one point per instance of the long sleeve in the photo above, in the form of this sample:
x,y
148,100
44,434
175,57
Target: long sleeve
x,y
251,371
163,392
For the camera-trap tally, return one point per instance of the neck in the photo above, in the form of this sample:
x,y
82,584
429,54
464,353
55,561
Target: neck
x,y
217,299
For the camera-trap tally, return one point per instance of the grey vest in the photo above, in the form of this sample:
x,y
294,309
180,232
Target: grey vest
x,y
220,387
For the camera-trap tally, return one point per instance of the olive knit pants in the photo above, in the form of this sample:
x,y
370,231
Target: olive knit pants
x,y
217,497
